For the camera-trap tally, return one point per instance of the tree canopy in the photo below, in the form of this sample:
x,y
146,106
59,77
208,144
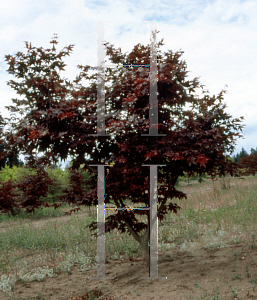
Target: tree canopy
x,y
60,118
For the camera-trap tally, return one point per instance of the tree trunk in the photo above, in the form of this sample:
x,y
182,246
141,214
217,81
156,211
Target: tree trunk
x,y
144,246
143,242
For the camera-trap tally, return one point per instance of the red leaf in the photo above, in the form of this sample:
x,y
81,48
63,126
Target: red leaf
x,y
177,156
129,98
150,154
202,159
135,187
64,115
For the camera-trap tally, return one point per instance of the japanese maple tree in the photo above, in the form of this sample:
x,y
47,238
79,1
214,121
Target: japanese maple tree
x,y
60,118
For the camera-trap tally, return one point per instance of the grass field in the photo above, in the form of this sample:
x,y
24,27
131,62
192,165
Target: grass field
x,y
216,215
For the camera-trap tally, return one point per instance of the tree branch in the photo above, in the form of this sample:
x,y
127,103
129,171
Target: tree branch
x,y
131,230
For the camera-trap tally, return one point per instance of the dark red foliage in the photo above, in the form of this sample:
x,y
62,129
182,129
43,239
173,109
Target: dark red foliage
x,y
248,164
30,189
61,118
9,198
33,187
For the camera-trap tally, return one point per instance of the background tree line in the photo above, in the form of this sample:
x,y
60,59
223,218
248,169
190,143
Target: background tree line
x,y
247,162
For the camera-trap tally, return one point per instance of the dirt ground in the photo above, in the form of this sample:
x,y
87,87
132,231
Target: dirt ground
x,y
199,275
183,271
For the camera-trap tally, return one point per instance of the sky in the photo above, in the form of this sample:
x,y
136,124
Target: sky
x,y
218,38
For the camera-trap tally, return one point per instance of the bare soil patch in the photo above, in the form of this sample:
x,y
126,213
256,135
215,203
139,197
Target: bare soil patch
x,y
185,272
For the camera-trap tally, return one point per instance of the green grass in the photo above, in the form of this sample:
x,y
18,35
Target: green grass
x,y
230,218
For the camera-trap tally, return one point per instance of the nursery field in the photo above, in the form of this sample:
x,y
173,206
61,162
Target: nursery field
x,y
206,251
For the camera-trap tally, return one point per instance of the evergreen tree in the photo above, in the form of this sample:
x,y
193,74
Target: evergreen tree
x,y
243,153
254,152
236,158
11,159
